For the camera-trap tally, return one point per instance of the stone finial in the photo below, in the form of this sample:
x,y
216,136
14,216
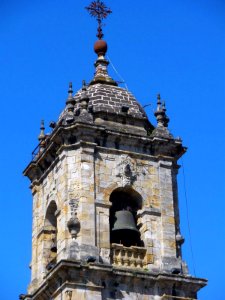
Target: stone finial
x,y
42,136
84,113
70,91
101,65
73,226
84,98
84,85
160,113
166,119
161,129
70,100
158,102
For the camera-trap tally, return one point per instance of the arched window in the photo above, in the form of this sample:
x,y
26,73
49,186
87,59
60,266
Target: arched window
x,y
123,217
50,218
50,228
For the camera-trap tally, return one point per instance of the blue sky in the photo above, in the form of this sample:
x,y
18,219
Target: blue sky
x,y
172,47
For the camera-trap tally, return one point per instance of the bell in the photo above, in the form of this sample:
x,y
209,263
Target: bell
x,y
124,221
124,230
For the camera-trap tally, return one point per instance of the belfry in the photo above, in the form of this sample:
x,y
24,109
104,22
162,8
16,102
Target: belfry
x,y
105,203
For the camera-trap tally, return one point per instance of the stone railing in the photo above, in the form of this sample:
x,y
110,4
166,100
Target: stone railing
x,y
130,257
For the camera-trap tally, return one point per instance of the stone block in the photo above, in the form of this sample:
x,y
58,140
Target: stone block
x,y
149,258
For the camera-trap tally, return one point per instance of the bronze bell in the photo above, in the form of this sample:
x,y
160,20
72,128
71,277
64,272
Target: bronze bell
x,y
124,229
124,221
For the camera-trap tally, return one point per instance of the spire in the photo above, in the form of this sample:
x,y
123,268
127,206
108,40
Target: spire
x,y
100,11
42,136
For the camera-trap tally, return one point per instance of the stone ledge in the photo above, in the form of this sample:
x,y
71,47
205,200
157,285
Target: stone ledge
x,y
103,205
74,285
151,211
93,271
46,230
158,276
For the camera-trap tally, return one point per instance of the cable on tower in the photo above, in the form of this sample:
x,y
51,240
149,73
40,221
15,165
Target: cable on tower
x,y
118,74
187,216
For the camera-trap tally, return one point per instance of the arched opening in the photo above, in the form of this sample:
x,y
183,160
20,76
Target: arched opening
x,y
123,217
50,227
50,218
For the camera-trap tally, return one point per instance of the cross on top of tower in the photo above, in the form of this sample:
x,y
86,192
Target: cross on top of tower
x,y
100,11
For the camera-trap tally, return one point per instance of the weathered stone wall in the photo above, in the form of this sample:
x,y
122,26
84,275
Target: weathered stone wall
x,y
81,182
153,181
59,184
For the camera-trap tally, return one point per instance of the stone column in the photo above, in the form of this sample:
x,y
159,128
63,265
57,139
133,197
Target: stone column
x,y
87,211
168,233
103,231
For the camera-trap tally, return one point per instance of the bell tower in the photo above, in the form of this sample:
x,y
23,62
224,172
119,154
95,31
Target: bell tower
x,y
105,205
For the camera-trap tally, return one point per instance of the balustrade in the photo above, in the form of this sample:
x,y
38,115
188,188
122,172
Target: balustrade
x,y
131,257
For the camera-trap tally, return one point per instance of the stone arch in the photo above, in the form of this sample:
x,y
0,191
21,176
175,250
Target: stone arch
x,y
123,216
131,193
114,186
52,198
50,235
50,216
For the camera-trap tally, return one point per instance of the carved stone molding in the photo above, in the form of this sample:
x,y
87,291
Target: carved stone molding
x,y
127,171
73,223
73,203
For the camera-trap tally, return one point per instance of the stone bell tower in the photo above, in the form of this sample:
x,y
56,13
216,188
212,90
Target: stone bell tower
x,y
105,205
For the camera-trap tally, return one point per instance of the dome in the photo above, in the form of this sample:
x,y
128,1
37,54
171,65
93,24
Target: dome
x,y
103,102
112,100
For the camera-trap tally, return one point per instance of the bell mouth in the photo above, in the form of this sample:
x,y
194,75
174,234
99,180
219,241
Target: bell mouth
x,y
126,237
125,228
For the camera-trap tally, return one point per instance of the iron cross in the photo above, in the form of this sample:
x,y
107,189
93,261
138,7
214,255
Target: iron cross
x,y
100,11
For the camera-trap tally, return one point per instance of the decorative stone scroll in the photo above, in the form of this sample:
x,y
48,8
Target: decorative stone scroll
x,y
127,171
73,206
73,223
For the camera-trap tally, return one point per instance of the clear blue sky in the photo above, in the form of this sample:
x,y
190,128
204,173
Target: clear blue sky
x,y
172,47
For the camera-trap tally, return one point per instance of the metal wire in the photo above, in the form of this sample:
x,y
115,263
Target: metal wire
x,y
187,216
118,74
